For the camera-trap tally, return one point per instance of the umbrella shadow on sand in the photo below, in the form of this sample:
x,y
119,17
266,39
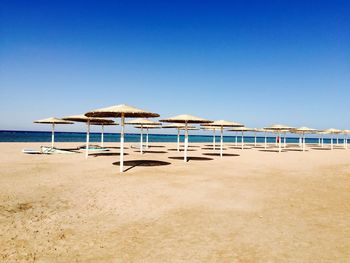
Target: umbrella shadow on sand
x,y
192,158
272,150
218,154
181,150
143,163
240,147
294,150
116,147
322,149
151,151
106,154
156,146
217,149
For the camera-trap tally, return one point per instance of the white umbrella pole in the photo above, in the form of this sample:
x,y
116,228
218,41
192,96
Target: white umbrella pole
x,y
322,141
178,139
186,143
214,140
52,135
102,134
319,141
121,166
279,143
147,138
221,140
331,142
87,139
242,144
236,140
255,139
344,142
265,141
141,140
285,140
276,142
337,139
304,143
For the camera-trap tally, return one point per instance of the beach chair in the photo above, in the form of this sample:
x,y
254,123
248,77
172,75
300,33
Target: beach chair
x,y
31,151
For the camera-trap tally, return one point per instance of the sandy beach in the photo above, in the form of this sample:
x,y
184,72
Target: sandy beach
x,y
249,206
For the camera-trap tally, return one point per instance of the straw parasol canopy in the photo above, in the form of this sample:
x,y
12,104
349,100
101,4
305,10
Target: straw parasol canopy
x,y
222,124
83,118
279,127
190,128
185,118
147,127
240,129
332,131
304,130
142,122
90,121
121,111
53,121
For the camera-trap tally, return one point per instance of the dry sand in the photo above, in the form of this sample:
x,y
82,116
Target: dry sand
x,y
255,207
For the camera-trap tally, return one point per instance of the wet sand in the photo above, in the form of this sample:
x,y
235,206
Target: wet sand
x,y
249,206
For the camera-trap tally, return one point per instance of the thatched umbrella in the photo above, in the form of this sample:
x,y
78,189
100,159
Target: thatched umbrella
x,y
221,124
332,131
303,131
121,111
208,128
186,119
142,122
90,121
147,127
53,121
279,128
178,126
242,130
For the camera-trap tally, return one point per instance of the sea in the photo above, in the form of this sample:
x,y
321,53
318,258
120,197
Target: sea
x,y
44,136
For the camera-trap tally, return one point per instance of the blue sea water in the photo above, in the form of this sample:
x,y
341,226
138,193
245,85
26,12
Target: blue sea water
x,y
36,136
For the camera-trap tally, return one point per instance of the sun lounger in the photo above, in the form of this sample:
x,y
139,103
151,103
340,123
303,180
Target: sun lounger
x,y
94,148
50,150
31,151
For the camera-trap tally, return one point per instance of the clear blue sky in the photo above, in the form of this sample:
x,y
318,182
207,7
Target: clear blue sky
x,y
256,62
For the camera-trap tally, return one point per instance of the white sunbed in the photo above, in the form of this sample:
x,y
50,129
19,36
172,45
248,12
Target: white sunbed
x,y
31,151
50,150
